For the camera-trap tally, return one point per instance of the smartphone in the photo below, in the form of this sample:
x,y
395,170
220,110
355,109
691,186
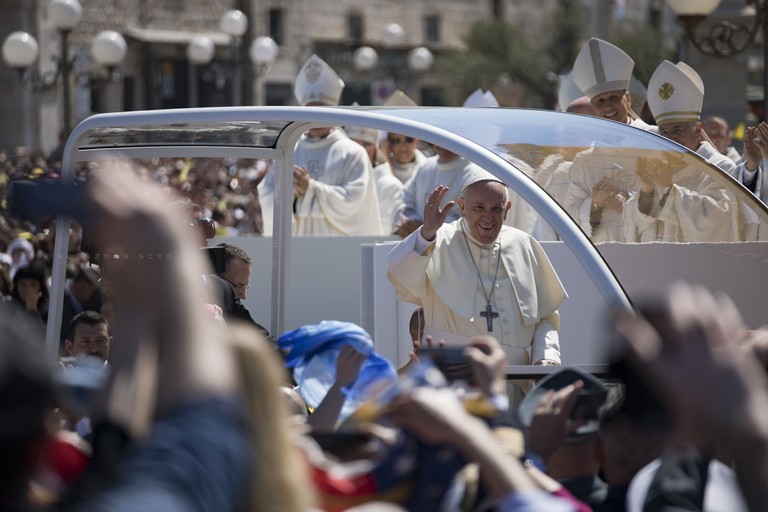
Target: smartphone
x,y
451,361
36,200
589,404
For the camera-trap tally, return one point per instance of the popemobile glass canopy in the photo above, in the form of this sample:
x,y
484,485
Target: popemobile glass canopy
x,y
560,167
565,155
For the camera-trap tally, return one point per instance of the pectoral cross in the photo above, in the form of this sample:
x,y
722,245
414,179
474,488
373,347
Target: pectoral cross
x,y
489,314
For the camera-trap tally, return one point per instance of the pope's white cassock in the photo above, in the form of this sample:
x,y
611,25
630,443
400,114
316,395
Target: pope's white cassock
x,y
451,174
341,198
696,208
441,277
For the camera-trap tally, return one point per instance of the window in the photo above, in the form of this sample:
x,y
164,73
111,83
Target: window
x,y
497,7
276,25
432,28
355,28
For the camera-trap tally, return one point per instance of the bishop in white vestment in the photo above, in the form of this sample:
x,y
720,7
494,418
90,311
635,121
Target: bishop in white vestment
x,y
334,186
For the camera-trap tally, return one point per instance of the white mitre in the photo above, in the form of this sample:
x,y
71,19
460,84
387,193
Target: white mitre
x,y
317,82
568,91
601,67
369,135
481,99
399,99
675,93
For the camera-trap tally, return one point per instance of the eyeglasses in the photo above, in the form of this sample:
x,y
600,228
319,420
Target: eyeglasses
x,y
395,142
238,286
676,132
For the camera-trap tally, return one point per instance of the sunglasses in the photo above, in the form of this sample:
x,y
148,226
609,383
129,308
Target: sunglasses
x,y
395,142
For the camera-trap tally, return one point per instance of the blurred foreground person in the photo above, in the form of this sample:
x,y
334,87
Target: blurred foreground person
x,y
686,345
174,427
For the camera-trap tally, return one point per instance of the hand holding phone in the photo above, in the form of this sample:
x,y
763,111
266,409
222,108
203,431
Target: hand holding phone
x,y
451,361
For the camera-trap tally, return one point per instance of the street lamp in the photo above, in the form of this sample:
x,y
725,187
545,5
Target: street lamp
x,y
263,53
394,35
365,58
417,60
20,51
108,50
725,38
200,50
234,23
420,59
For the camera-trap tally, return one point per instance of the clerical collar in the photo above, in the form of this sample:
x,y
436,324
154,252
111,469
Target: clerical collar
x,y
472,239
319,138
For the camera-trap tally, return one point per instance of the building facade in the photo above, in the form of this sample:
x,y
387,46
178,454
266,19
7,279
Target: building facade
x,y
157,73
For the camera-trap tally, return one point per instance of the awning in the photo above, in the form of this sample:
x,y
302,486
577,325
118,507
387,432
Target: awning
x,y
154,35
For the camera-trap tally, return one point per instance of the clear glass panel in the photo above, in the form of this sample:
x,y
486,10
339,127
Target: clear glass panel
x,y
261,134
221,189
618,183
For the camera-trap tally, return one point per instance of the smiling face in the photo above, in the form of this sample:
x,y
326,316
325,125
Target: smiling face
x,y
484,206
613,105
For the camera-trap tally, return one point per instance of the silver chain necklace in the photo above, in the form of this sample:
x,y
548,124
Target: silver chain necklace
x,y
489,314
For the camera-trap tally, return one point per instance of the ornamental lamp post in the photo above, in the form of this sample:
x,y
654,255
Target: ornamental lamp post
x,y
420,59
417,60
263,52
64,16
108,50
725,38
234,23
200,50
365,58
20,51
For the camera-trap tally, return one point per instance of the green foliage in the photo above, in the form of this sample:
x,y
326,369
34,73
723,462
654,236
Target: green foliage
x,y
496,52
500,55
646,46
525,56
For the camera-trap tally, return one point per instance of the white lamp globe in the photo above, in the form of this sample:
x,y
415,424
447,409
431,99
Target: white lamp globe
x,y
65,14
200,50
234,23
420,59
394,35
108,48
365,58
20,50
263,50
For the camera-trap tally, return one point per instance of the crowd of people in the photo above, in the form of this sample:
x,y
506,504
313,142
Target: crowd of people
x,y
195,412
167,395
